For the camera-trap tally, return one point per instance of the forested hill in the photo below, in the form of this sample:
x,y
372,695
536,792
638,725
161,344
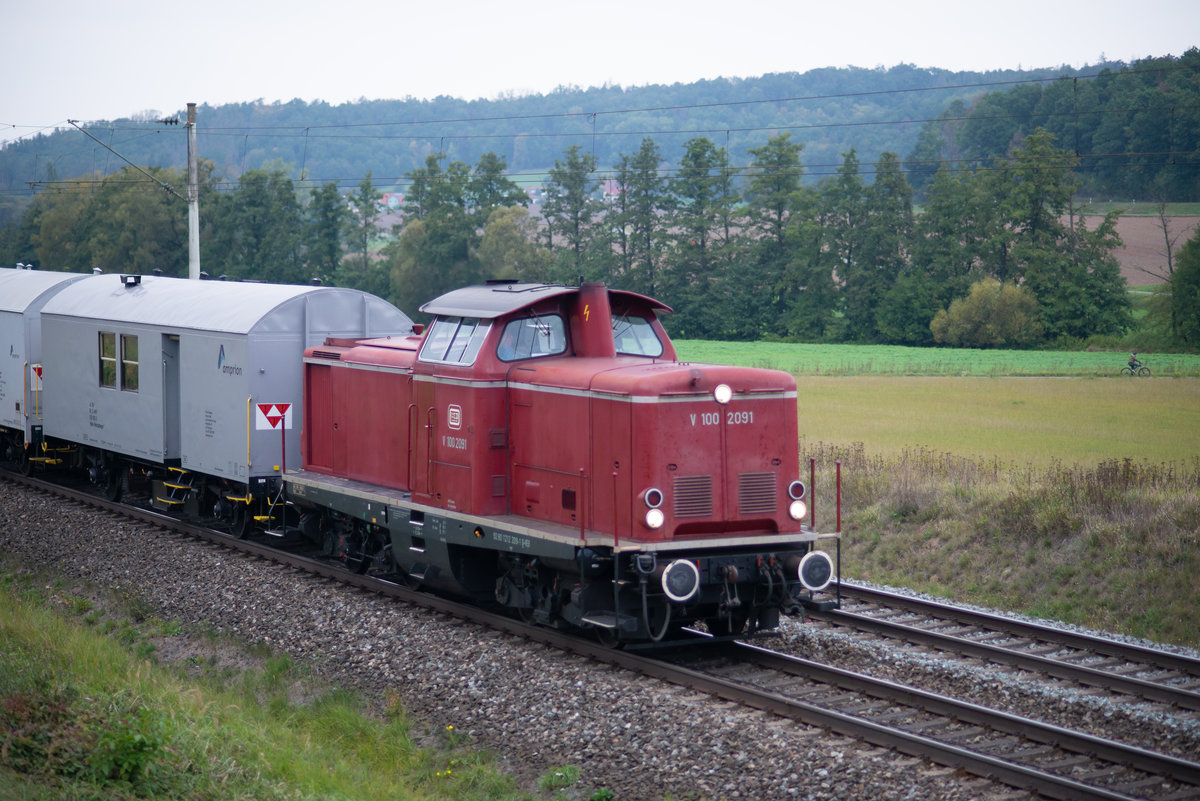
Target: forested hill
x,y
829,110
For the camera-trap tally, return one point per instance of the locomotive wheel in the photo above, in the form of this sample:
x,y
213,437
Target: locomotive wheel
x,y
356,557
608,638
409,580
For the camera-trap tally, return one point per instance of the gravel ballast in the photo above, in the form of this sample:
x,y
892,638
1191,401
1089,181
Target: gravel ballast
x,y
537,708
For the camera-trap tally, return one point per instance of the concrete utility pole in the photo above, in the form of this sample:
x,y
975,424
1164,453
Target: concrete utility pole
x,y
193,197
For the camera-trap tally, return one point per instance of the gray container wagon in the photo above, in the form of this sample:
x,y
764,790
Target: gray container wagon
x,y
201,376
23,293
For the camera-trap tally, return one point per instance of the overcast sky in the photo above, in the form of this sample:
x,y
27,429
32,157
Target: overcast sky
x,y
104,59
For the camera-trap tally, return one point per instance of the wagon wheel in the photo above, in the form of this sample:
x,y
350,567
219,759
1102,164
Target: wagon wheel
x,y
114,481
242,523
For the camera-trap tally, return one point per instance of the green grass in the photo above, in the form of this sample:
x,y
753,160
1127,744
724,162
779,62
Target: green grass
x,y
803,359
87,715
1018,420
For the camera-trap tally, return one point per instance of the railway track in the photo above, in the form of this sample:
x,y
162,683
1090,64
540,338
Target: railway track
x,y
1050,761
1110,665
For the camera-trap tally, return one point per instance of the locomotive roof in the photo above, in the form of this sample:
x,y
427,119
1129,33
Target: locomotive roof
x,y
19,288
496,300
180,303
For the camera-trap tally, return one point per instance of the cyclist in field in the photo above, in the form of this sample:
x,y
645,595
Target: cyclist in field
x,y
1134,364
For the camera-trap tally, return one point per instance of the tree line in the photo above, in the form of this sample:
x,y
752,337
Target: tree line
x,y
1135,130
1134,127
998,254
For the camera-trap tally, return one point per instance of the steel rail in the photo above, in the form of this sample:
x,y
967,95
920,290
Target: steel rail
x,y
1180,697
1120,753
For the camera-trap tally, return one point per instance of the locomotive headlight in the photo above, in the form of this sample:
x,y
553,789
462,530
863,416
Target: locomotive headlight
x,y
681,580
723,394
797,510
816,571
655,518
796,490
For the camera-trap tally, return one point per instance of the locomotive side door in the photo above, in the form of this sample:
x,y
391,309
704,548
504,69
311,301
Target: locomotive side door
x,y
422,422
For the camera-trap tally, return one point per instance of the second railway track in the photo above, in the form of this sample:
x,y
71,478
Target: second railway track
x,y
1111,665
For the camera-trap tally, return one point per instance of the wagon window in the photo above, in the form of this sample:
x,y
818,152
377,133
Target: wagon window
x,y
634,336
454,340
530,337
129,363
108,359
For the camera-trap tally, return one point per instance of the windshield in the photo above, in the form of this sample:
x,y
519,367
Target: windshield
x,y
454,340
530,337
634,336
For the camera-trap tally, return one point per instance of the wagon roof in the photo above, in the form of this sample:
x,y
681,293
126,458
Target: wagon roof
x,y
20,288
179,303
496,300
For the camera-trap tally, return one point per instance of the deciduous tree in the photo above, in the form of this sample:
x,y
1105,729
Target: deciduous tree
x,y
992,315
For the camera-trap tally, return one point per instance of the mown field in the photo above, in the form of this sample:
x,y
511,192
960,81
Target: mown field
x,y
897,360
1032,481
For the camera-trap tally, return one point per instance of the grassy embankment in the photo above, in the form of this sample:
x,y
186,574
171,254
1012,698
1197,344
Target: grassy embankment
x,y
87,713
1075,498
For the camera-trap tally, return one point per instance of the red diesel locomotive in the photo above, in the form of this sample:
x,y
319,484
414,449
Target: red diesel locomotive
x,y
540,447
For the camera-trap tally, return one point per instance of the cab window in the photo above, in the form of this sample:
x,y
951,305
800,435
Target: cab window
x,y
634,336
454,340
531,337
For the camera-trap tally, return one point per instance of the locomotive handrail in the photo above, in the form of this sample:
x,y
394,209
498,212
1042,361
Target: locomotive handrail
x,y
410,463
430,425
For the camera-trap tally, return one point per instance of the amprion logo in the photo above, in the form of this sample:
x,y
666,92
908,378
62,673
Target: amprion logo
x,y
228,369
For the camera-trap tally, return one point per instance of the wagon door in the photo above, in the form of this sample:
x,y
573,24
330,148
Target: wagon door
x,y
172,436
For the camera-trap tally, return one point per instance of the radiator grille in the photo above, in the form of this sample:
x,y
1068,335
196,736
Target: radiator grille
x,y
693,496
756,493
